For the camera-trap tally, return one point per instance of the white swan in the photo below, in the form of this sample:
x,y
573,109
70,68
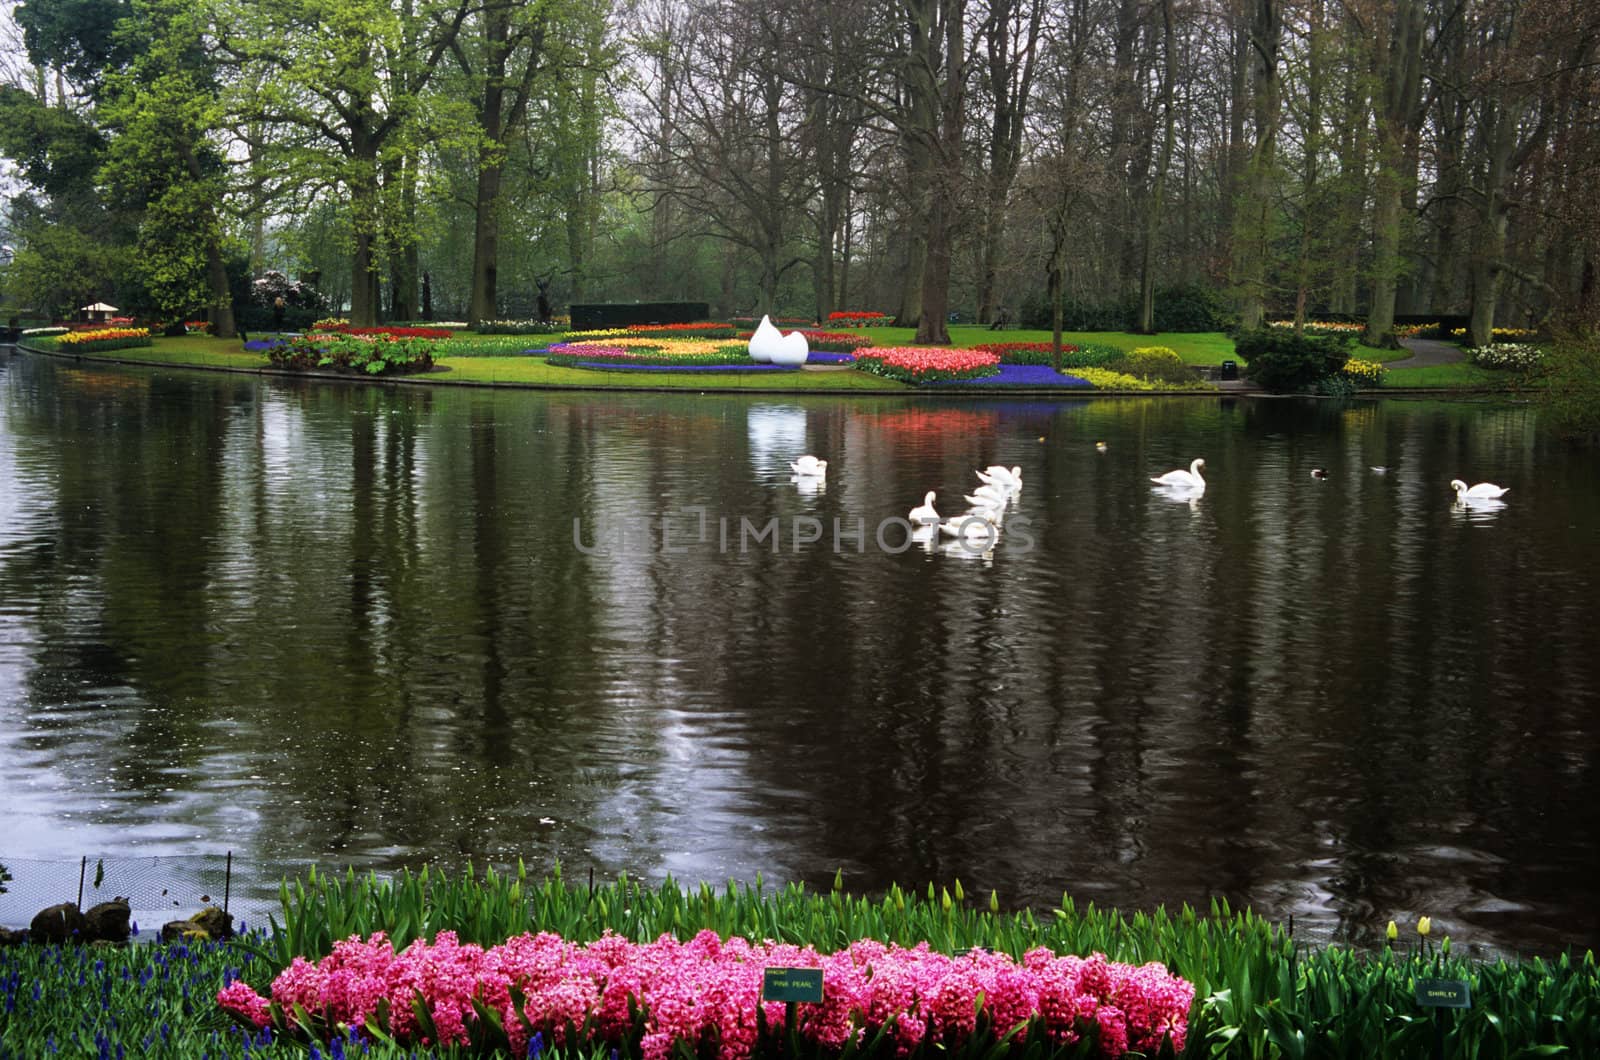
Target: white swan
x,y
809,467
1483,491
988,497
972,528
1189,480
924,514
1006,478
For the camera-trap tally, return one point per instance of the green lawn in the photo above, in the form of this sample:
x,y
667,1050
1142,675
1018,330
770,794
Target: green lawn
x,y
481,367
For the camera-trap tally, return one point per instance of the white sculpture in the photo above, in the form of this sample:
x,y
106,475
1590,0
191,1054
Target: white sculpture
x,y
764,342
791,351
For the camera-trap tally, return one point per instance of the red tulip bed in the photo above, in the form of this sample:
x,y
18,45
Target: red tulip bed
x,y
703,998
927,364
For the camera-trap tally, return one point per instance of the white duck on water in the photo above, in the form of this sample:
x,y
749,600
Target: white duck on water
x,y
809,467
1186,480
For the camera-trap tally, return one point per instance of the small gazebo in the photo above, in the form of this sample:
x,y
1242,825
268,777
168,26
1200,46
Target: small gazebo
x,y
98,312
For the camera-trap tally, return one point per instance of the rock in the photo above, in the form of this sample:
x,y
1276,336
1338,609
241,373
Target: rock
x,y
182,931
214,922
57,925
108,921
12,938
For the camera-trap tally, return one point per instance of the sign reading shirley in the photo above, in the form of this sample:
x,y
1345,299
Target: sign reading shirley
x,y
1443,993
792,984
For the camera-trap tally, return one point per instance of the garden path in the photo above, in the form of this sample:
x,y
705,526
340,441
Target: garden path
x,y
1429,353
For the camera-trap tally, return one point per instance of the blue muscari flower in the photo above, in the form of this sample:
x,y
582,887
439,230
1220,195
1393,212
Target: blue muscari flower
x,y
336,1048
36,991
50,1043
135,927
535,1045
316,1054
99,966
120,1053
104,1045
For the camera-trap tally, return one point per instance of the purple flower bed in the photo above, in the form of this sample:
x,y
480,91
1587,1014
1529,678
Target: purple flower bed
x,y
610,366
262,345
1018,375
830,358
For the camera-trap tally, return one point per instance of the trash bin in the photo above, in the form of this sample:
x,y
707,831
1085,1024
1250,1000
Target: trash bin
x,y
1230,370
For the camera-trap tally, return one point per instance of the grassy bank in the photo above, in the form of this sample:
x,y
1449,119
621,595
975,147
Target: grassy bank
x,y
1257,993
484,366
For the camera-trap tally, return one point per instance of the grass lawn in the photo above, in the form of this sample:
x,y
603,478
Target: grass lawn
x,y
1462,374
483,365
202,351
1206,347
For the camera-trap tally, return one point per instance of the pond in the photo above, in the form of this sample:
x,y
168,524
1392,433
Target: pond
x,y
381,626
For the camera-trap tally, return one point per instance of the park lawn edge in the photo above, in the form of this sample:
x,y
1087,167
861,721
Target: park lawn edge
x,y
502,373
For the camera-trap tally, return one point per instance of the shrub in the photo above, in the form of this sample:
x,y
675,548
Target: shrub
x,y
1159,363
1573,397
5,878
1182,308
1279,361
367,354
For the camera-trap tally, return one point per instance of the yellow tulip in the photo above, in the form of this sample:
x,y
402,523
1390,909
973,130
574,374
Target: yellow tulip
x,y
1424,925
1392,932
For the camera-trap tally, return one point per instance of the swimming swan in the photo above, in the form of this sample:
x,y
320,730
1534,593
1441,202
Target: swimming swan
x,y
1189,480
809,466
1005,478
923,514
1483,491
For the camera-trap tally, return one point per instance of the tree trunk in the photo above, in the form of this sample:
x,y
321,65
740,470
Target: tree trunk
x,y
1254,228
1397,123
484,302
1152,219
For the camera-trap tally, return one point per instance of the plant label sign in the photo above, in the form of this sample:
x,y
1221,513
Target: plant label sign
x,y
1443,993
792,984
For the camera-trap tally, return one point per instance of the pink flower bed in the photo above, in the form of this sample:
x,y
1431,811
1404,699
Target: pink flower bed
x,y
707,991
923,364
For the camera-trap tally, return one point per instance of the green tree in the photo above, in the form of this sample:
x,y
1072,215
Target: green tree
x,y
161,110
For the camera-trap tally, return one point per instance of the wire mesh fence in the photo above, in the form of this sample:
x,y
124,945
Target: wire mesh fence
x,y
158,889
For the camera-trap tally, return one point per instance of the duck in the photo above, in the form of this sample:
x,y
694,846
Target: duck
x,y
1319,472
1006,478
1483,491
924,514
809,467
1181,479
1378,469
1101,447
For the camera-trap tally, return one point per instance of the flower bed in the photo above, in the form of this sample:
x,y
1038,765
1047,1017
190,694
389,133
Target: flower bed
x,y
927,364
630,352
669,998
378,354
860,319
518,327
1105,379
1363,373
704,329
103,339
1073,355
824,341
1020,375
1508,356
43,333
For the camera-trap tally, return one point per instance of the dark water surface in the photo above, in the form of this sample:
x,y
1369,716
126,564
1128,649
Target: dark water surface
x,y
351,624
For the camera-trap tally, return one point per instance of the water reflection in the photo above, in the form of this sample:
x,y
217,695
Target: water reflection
x,y
351,623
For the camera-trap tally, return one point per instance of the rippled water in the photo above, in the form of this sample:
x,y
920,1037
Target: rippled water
x,y
356,624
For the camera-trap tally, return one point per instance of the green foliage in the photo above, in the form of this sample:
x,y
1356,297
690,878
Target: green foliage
x,y
5,878
79,37
1572,400
367,355
1278,360
1183,308
1154,363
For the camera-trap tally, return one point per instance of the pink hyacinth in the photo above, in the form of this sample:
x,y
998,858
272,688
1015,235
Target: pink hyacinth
x,y
709,989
